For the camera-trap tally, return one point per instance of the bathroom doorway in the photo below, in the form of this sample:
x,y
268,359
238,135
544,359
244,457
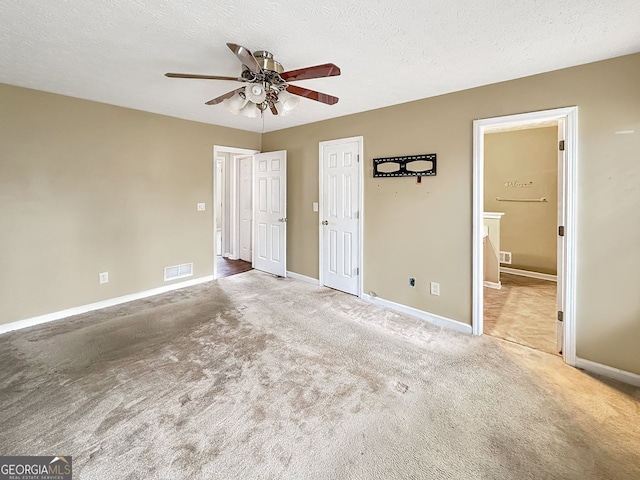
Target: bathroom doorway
x,y
524,210
520,228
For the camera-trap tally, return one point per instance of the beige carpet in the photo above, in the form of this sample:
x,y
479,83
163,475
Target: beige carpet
x,y
256,377
524,311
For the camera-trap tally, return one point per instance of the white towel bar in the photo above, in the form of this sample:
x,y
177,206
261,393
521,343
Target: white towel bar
x,y
542,199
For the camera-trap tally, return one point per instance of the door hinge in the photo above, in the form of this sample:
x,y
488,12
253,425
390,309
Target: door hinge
x,y
561,145
560,316
358,158
561,231
358,271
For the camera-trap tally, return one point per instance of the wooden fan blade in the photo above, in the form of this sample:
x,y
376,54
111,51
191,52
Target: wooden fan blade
x,y
219,99
312,95
326,70
246,57
202,77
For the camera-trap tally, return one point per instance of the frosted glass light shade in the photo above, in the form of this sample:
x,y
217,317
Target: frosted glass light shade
x,y
235,103
286,102
282,112
250,110
255,93
290,101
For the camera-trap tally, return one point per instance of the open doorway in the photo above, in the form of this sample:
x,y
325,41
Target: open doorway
x,y
524,229
233,210
519,234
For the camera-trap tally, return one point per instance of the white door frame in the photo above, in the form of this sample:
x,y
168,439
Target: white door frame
x,y
216,204
568,184
321,146
217,150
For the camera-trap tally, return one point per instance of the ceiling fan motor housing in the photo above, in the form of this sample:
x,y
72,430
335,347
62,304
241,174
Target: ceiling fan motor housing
x,y
266,61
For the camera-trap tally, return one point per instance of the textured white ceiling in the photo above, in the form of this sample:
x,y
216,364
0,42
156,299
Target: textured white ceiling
x,y
390,51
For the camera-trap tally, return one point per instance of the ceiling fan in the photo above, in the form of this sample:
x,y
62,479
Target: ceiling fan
x,y
267,84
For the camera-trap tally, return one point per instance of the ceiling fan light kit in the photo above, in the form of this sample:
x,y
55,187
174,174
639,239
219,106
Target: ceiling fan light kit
x,y
267,84
235,103
251,110
286,102
255,93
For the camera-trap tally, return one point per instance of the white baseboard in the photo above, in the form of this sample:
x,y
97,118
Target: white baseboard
x,y
606,371
422,315
527,273
497,286
69,312
304,278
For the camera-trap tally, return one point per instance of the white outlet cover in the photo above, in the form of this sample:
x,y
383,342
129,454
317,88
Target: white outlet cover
x,y
201,207
104,277
315,206
435,288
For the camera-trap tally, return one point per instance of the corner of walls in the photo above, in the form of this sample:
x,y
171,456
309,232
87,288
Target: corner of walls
x,y
425,231
87,188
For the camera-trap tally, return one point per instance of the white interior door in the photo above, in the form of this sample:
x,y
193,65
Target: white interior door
x,y
245,207
562,165
270,212
340,216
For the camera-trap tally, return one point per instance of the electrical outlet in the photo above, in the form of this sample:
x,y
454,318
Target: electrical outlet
x,y
435,288
104,277
200,207
412,282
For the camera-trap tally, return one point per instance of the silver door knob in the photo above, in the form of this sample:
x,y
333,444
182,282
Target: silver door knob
x,y
325,222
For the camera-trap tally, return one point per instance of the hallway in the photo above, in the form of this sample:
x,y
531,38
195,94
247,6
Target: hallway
x,y
227,267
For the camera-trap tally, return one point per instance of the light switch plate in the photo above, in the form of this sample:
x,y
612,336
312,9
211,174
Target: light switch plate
x,y
201,207
315,206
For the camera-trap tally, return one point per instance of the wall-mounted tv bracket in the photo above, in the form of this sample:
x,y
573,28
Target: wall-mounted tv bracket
x,y
402,166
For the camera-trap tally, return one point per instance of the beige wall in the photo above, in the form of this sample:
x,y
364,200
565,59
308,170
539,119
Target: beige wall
x,y
425,230
87,187
528,229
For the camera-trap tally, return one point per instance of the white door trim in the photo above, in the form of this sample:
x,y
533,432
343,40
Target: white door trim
x,y
217,150
570,116
321,146
216,204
